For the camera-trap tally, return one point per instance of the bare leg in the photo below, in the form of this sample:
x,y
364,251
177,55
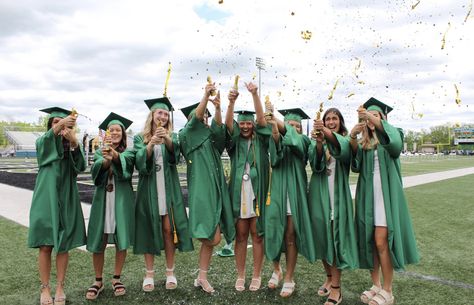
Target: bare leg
x,y
61,266
44,265
150,271
241,238
257,249
291,251
335,293
98,263
326,287
381,243
169,244
119,262
205,254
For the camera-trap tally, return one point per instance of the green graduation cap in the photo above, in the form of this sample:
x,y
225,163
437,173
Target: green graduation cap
x,y
188,110
294,114
56,112
375,104
245,115
159,103
114,118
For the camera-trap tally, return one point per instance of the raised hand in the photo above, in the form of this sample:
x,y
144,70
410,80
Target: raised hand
x,y
217,100
233,95
208,89
362,113
251,87
358,128
69,121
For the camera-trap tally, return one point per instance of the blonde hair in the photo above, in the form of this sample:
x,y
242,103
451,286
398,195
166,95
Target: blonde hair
x,y
148,130
369,138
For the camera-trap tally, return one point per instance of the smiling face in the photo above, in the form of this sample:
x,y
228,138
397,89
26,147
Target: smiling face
x,y
332,122
246,129
115,134
296,125
160,116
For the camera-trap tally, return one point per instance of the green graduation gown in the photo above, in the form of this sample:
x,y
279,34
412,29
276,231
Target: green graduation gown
x,y
338,245
208,197
56,217
124,203
288,160
148,228
401,238
257,157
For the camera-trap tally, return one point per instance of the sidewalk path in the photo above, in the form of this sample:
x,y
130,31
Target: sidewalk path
x,y
15,203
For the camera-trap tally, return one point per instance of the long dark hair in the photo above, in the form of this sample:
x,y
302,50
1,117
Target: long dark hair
x,y
123,142
342,126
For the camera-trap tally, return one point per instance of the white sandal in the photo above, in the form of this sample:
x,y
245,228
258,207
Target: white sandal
x,y
204,284
287,289
275,279
369,294
171,281
149,281
383,298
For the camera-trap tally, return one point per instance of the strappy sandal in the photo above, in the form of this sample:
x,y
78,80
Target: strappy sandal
x,y
331,301
171,281
255,283
367,295
149,281
61,299
323,291
382,298
275,279
118,286
94,291
287,289
240,284
47,300
204,284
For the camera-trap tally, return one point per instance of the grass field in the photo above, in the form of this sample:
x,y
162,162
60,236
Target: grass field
x,y
442,213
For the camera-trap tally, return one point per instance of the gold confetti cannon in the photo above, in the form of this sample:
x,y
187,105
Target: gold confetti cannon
x,y
236,83
268,107
318,117
209,81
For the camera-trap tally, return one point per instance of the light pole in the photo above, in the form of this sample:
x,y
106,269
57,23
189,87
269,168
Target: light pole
x,y
260,63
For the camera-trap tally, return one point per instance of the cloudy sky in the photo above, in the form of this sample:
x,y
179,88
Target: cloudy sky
x,y
110,55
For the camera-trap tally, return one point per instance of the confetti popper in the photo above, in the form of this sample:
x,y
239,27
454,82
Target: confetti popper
x,y
415,5
268,107
74,112
236,83
318,117
167,79
106,144
468,12
209,81
443,41
331,94
458,98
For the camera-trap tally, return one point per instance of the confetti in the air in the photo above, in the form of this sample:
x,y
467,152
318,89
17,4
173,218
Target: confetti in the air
x,y
279,93
254,76
221,1
415,5
361,82
468,12
350,95
306,35
458,98
331,94
357,67
443,41
413,114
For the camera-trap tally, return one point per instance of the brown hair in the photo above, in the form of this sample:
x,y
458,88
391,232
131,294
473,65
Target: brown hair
x,y
342,126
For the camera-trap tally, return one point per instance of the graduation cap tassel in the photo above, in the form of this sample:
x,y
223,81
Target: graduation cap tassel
x,y
257,210
269,186
175,235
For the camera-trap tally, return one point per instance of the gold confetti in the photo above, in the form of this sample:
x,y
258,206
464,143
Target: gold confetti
x,y
420,115
254,76
413,114
331,94
279,93
221,1
458,98
469,12
443,41
306,35
415,5
361,82
350,94
357,67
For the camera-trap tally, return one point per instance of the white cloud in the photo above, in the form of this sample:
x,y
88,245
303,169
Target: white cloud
x,y
102,56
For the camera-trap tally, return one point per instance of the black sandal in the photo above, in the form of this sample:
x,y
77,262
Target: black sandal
x,y
96,290
332,301
119,288
323,291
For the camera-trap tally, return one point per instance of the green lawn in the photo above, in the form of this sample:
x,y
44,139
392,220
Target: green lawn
x,y
442,213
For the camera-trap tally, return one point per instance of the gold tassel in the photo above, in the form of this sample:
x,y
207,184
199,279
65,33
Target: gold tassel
x,y
269,185
257,210
268,199
175,235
